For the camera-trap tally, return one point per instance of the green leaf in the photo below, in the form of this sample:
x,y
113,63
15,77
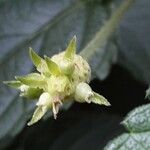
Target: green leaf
x,y
137,123
52,66
38,114
99,44
99,99
34,57
34,80
14,84
135,141
138,120
71,49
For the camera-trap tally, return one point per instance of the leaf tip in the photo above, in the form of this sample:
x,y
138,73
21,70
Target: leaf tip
x,y
99,99
37,115
6,83
71,49
31,52
14,83
107,104
36,59
124,122
30,49
74,39
29,123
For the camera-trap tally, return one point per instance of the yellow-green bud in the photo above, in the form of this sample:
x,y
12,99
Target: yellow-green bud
x,y
59,85
82,71
65,65
79,68
62,77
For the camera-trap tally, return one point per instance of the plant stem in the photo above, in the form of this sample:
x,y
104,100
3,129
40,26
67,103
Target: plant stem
x,y
106,31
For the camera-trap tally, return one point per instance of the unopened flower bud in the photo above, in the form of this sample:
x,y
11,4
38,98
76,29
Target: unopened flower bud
x,y
65,65
83,92
59,84
61,78
44,100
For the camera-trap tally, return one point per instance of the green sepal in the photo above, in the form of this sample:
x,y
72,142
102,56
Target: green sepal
x,y
71,49
14,84
34,57
33,80
99,99
52,66
31,93
38,114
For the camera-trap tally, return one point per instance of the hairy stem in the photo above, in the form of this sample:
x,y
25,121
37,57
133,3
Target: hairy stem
x,y
106,31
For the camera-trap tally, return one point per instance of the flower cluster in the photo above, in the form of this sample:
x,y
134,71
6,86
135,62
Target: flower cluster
x,y
62,78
